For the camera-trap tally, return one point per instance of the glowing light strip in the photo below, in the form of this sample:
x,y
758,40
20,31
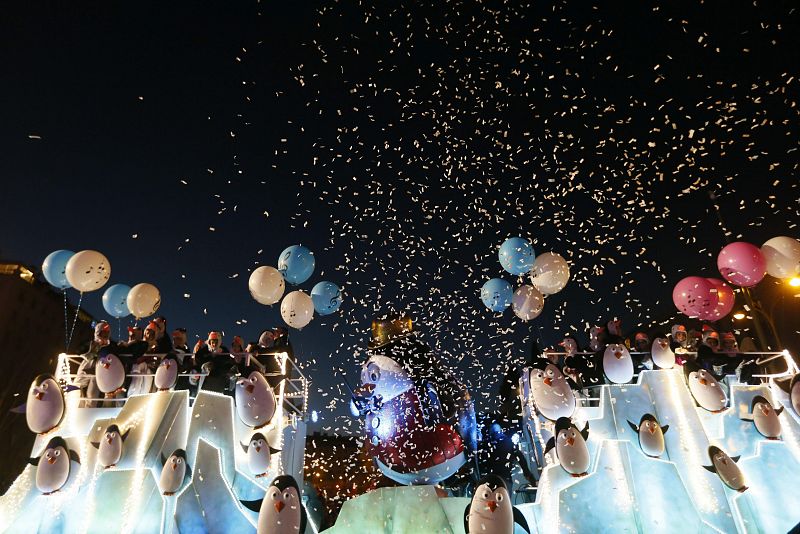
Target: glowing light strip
x,y
130,512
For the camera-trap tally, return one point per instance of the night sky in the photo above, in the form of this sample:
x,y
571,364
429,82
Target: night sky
x,y
402,142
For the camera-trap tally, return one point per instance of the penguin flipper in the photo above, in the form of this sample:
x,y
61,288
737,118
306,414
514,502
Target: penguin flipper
x,y
519,519
74,456
664,429
34,461
255,506
244,447
634,427
95,444
466,518
19,409
551,444
736,458
125,435
303,518
273,450
188,473
710,468
746,417
70,387
779,410
585,431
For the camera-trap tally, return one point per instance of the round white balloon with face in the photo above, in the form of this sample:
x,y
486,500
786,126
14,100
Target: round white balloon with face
x,y
266,285
527,302
662,353
297,309
550,273
143,300
617,364
783,256
88,270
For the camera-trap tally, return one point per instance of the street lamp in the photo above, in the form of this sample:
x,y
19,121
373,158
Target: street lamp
x,y
739,315
794,281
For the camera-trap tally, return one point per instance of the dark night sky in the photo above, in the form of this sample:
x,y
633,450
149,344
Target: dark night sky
x,y
402,142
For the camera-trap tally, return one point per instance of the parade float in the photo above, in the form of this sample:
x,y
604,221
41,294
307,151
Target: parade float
x,y
167,461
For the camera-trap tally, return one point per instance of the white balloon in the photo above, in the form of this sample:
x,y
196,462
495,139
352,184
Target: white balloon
x,y
550,273
143,300
266,285
783,256
527,302
88,270
297,309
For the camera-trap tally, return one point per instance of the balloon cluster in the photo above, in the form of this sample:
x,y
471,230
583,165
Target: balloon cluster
x,y
295,265
549,274
741,264
89,270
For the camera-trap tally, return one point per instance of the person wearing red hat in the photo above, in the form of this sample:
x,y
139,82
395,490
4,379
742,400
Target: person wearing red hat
x,y
214,359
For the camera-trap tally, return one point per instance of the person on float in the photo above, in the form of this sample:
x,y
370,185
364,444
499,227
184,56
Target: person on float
x,y
614,332
145,361
642,345
708,355
679,343
164,341
214,359
85,378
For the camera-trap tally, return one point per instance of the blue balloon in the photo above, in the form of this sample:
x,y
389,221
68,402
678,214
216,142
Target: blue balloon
x,y
115,300
54,268
496,294
296,264
327,297
516,255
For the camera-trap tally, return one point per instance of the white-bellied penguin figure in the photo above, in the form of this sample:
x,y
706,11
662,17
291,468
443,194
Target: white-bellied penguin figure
x,y
491,510
725,467
174,471
281,510
651,435
109,448
259,454
570,446
54,465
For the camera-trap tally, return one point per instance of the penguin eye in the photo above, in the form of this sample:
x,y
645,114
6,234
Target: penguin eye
x,y
498,497
573,434
539,374
275,495
180,461
374,375
57,453
287,495
261,442
253,380
550,372
486,495
44,386
109,435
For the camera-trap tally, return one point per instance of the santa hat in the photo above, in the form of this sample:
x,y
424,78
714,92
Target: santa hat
x,y
132,329
152,326
711,334
641,335
729,336
678,328
237,339
102,326
213,335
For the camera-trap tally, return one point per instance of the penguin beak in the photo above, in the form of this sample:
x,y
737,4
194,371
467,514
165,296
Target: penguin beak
x,y
174,467
280,505
258,449
51,460
765,410
570,441
249,388
724,461
652,430
39,394
109,441
106,365
618,355
548,381
703,381
492,505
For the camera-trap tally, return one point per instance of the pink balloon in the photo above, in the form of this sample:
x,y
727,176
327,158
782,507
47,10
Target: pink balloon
x,y
694,296
726,300
742,264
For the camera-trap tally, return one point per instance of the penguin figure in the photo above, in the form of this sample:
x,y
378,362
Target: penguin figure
x,y
176,469
551,391
109,373
259,454
725,467
280,511
705,388
491,510
167,373
765,417
617,364
53,466
44,409
570,446
651,435
109,448
662,354
255,402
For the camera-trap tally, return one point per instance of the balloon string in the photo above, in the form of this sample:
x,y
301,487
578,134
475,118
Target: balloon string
x,y
77,311
66,321
119,328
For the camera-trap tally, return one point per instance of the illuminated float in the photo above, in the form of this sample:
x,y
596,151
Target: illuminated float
x,y
157,462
